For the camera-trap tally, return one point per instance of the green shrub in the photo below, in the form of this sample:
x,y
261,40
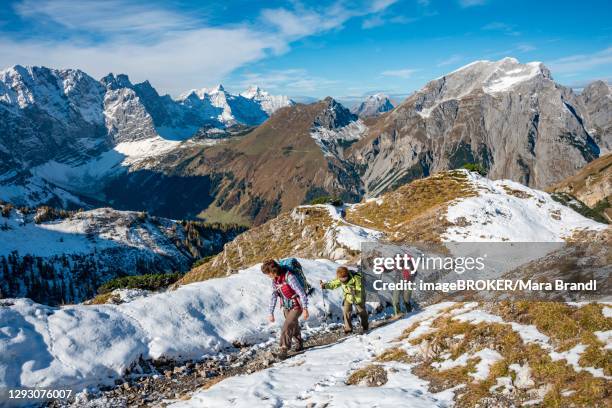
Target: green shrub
x,y
146,282
595,213
476,167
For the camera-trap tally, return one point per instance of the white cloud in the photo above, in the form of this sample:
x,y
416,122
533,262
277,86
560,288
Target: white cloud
x,y
526,47
173,64
471,3
380,19
453,59
175,51
302,22
107,17
582,62
295,81
372,22
399,73
505,28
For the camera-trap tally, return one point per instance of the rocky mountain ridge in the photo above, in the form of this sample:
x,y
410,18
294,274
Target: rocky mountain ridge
x,y
510,119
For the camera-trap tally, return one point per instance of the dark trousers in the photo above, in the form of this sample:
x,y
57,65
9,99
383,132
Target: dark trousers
x,y
404,296
291,328
347,311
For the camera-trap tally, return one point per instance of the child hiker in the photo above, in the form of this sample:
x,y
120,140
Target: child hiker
x,y
354,295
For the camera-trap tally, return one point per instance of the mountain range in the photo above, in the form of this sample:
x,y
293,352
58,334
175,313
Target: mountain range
x,y
71,141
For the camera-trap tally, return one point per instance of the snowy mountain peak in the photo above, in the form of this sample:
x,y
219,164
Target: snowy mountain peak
x,y
253,92
269,103
334,116
497,76
13,71
373,105
217,89
59,92
491,77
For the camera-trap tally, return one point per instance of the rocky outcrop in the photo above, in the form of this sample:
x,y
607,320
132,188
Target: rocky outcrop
x,y
49,114
511,118
597,100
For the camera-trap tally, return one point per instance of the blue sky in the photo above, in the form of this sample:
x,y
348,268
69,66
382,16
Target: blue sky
x,y
340,48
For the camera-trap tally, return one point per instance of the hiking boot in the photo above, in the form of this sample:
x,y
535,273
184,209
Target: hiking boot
x,y
281,353
363,331
299,346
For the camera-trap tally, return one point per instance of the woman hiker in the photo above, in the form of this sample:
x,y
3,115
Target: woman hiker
x,y
287,286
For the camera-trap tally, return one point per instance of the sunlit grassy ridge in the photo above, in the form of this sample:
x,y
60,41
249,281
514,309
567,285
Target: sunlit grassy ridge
x,y
297,233
415,212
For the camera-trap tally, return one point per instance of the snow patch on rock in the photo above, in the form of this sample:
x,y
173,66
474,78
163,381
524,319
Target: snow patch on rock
x,y
505,210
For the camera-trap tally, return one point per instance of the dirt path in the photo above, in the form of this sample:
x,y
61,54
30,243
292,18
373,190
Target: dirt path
x,y
155,384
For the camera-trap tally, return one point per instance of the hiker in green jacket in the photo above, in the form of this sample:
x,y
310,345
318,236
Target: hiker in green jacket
x,y
354,295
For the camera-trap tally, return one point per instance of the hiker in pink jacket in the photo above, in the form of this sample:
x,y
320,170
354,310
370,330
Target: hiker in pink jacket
x,y
286,285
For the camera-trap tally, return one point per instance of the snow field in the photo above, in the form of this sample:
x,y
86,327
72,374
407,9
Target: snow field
x,y
508,211
83,346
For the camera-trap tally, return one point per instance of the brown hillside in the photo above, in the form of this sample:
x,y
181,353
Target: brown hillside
x,y
592,184
272,169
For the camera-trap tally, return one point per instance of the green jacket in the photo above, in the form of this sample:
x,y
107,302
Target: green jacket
x,y
354,290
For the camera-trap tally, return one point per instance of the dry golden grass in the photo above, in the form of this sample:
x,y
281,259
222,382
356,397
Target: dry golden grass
x,y
517,193
415,212
373,375
591,184
393,354
104,298
299,233
564,325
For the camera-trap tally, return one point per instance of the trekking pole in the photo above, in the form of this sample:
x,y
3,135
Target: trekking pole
x,y
324,307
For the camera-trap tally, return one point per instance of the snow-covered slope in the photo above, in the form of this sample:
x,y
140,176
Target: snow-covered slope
x,y
491,76
472,208
79,346
89,177
318,377
505,210
58,257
